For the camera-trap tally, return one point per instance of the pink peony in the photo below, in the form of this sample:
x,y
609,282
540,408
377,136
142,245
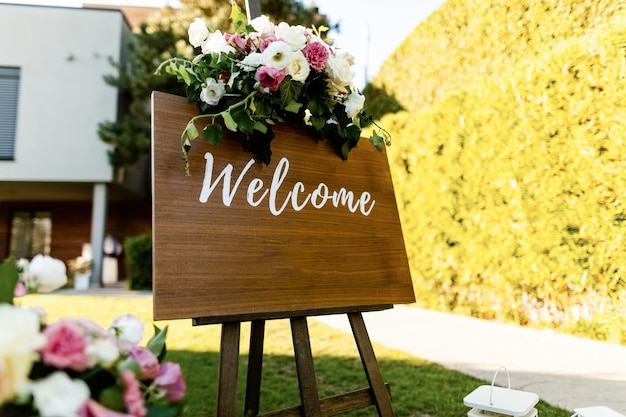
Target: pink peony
x,y
95,409
270,77
132,394
66,346
316,55
170,379
147,361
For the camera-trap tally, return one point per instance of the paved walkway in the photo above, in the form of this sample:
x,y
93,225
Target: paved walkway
x,y
565,371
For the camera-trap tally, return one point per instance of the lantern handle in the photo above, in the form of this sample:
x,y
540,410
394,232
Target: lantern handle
x,y
493,381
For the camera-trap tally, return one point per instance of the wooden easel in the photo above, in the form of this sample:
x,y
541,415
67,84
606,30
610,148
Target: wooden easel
x,y
311,405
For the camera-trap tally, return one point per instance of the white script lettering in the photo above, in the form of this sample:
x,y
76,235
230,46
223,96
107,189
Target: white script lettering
x,y
297,198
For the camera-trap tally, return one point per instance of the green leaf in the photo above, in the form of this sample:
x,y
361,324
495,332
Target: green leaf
x,y
293,107
8,278
377,141
156,344
243,120
186,145
228,121
212,133
260,126
238,18
184,75
191,131
112,397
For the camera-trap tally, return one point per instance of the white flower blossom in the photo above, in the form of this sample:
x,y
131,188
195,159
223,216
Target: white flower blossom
x,y
277,55
263,26
215,43
354,103
45,273
19,339
252,62
198,32
339,71
59,396
299,68
103,352
213,92
127,330
294,36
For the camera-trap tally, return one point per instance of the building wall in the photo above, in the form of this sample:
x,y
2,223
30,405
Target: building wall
x,y
63,54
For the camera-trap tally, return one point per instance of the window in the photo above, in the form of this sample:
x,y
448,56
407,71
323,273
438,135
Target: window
x,y
9,89
31,233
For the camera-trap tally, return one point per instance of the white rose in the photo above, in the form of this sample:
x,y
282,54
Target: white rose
x,y
263,26
46,273
299,68
59,396
215,43
251,62
338,70
294,36
127,330
277,55
198,32
19,339
354,103
213,92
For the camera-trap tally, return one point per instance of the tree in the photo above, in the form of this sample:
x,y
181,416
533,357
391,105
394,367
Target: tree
x,y
164,36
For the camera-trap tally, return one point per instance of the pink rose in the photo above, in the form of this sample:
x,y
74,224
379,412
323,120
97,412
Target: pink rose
x,y
19,290
316,55
95,409
147,361
170,379
270,77
132,394
66,346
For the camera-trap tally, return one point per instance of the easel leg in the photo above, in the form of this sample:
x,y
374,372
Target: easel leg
x,y
306,371
370,364
228,368
255,365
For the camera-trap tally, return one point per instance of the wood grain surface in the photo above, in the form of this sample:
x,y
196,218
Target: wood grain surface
x,y
223,258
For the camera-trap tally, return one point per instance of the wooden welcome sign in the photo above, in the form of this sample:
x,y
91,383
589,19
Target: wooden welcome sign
x,y
238,238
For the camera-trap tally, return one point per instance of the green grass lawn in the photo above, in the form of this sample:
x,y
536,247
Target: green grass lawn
x,y
418,388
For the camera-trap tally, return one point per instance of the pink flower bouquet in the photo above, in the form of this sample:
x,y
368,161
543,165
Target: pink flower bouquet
x,y
76,368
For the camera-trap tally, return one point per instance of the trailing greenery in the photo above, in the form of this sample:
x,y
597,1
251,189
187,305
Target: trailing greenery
x,y
162,37
138,251
509,164
418,387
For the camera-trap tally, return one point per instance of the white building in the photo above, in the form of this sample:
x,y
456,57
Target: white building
x,y
57,188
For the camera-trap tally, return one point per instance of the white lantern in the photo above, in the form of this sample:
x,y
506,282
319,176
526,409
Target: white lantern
x,y
490,400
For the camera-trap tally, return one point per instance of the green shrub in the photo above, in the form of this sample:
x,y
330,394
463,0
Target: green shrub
x,y
510,166
138,251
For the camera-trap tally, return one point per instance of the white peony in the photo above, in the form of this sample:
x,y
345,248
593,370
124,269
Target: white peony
x,y
198,32
264,28
215,43
213,92
127,330
59,396
299,68
19,339
277,55
354,103
339,71
45,273
294,36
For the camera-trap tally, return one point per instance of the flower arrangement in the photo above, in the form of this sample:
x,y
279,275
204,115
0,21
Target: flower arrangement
x,y
266,73
74,367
